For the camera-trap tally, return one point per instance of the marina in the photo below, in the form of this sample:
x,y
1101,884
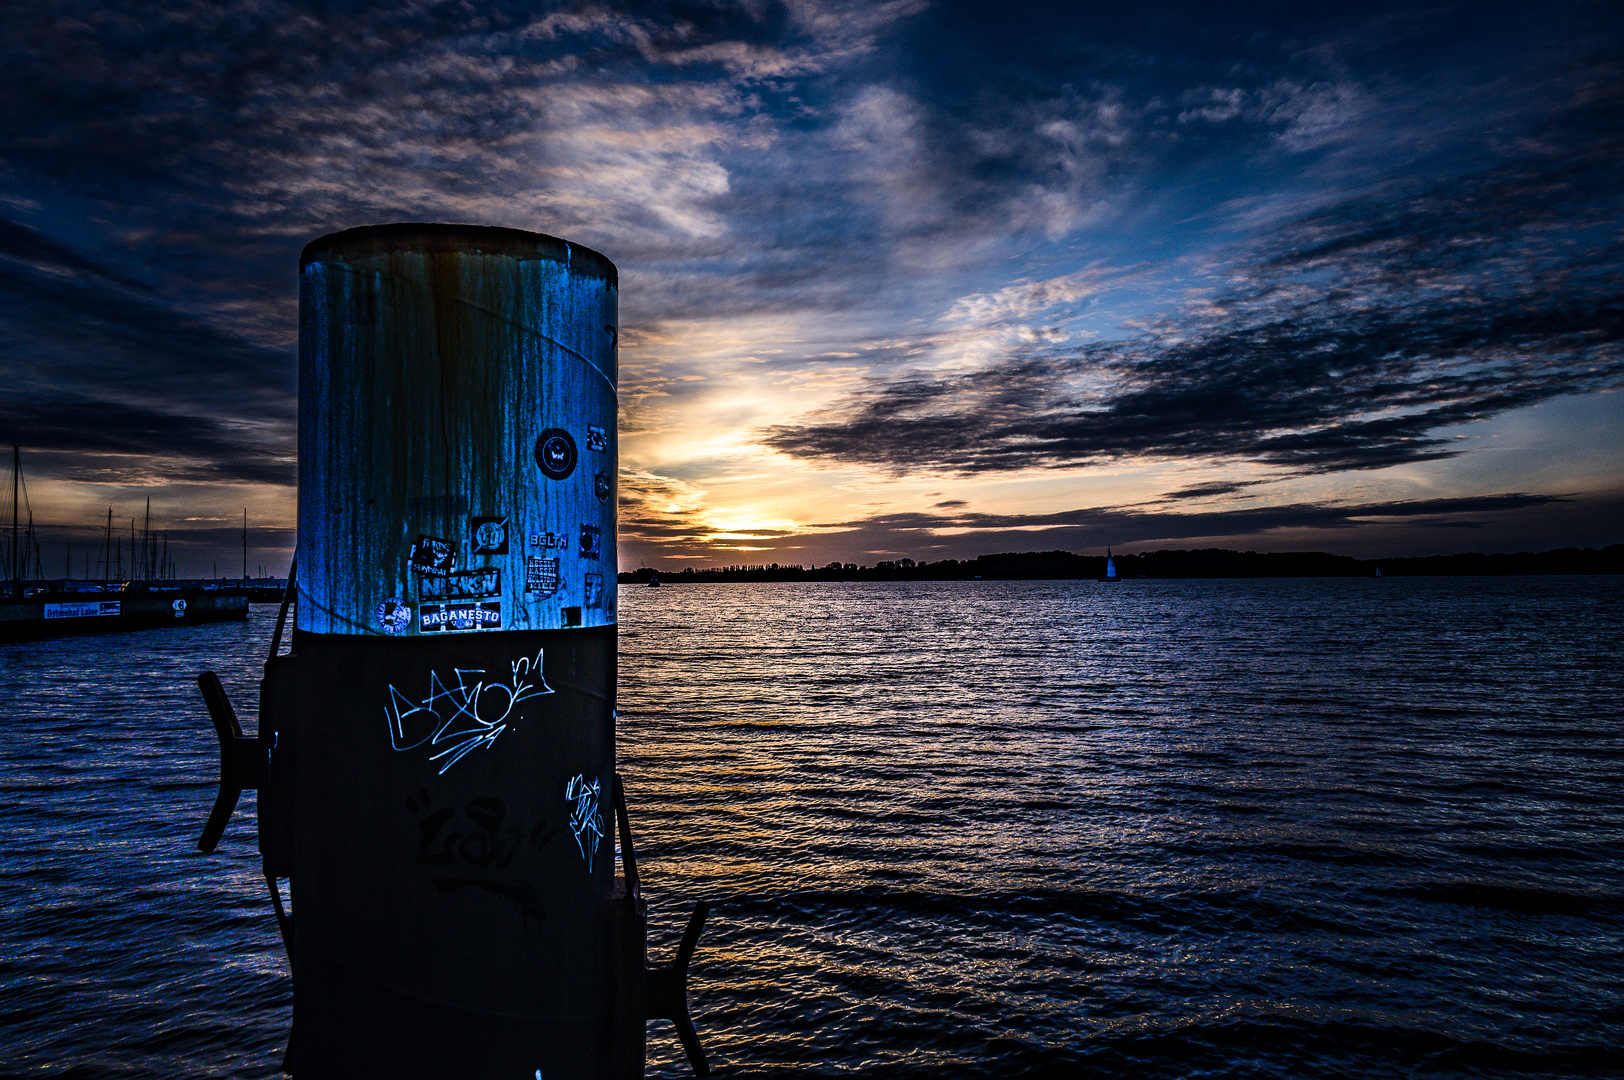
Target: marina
x,y
34,606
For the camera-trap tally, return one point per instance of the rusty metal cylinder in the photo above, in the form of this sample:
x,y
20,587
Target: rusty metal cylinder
x,y
453,755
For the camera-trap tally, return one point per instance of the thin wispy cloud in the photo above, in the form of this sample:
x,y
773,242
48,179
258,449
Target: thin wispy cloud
x,y
1354,338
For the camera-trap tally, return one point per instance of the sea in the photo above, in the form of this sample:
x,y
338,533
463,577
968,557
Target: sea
x,y
1239,828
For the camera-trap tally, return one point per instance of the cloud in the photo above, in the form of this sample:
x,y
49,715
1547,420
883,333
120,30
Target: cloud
x,y
1352,338
1302,116
1451,523
1211,489
103,367
1129,521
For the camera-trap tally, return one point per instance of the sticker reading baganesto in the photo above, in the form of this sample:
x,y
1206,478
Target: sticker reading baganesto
x,y
486,615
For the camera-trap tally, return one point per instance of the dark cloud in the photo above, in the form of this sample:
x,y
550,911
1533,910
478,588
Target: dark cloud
x,y
110,442
1210,490
1134,523
1505,521
1500,521
1352,338
103,367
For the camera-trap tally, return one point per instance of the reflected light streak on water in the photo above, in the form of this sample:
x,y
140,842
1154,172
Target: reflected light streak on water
x,y
1235,828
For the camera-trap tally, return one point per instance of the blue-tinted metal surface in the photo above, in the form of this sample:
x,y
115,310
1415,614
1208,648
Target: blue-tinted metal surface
x,y
457,447
452,745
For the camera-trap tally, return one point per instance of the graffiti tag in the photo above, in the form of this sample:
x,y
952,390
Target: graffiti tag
x,y
585,821
472,711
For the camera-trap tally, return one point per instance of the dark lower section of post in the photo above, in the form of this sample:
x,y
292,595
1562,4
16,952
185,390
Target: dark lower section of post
x,y
453,892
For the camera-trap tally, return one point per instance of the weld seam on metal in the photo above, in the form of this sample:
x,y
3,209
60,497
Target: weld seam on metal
x,y
521,327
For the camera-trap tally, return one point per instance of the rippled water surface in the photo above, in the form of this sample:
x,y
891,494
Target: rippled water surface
x,y
1217,828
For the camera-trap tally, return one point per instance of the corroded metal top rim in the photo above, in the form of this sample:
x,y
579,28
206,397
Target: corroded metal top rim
x,y
458,239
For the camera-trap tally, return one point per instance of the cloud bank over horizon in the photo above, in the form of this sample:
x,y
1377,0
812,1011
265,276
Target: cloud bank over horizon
x,y
893,274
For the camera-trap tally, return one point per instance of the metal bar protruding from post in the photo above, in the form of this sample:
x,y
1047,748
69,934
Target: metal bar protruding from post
x,y
242,764
668,991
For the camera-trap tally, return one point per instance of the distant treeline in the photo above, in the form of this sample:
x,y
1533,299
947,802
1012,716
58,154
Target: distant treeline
x,y
1201,563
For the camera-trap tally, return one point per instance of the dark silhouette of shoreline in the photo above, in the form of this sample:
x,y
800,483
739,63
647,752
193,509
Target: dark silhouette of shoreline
x,y
1199,563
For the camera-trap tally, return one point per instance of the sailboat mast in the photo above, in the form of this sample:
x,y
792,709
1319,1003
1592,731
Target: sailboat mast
x,y
16,473
245,546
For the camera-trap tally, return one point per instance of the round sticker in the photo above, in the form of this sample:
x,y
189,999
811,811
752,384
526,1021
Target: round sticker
x,y
555,453
394,616
490,535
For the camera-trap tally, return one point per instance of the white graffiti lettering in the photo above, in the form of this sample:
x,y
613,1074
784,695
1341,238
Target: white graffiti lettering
x,y
453,720
585,821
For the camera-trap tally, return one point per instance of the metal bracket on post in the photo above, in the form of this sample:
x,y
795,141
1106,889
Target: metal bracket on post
x,y
667,997
242,760
668,991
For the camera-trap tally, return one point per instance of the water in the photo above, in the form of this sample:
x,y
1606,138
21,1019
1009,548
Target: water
x,y
1217,828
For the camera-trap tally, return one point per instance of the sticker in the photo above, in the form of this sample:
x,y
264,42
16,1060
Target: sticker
x,y
432,554
591,541
555,453
465,616
180,608
486,581
489,535
546,540
394,616
597,439
540,575
600,487
592,588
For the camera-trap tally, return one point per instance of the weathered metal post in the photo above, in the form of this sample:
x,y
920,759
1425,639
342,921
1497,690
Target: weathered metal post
x,y
436,757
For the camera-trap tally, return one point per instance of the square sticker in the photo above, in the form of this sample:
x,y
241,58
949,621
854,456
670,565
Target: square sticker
x,y
540,575
591,541
431,554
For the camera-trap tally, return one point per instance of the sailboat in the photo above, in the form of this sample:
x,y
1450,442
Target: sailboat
x,y
1110,567
37,607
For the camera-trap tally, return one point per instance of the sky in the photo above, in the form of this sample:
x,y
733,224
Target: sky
x,y
898,279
